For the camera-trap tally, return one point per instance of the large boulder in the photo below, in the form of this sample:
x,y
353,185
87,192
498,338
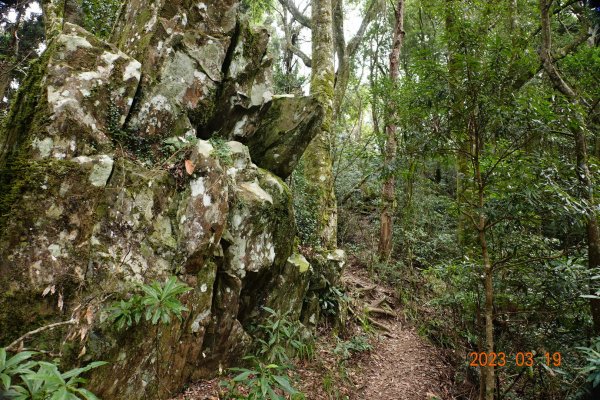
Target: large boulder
x,y
284,129
183,47
106,183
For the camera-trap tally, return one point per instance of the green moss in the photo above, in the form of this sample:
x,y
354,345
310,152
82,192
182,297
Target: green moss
x,y
102,211
205,111
20,312
27,116
221,150
145,41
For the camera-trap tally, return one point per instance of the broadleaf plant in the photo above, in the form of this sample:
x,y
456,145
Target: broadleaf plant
x,y
158,303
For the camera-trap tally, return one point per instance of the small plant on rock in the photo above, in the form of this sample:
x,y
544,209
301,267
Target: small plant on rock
x,y
221,150
332,301
158,303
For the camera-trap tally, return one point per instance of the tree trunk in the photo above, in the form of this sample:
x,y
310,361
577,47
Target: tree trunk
x,y
388,194
454,124
318,160
489,382
8,64
343,72
57,12
579,130
53,11
347,52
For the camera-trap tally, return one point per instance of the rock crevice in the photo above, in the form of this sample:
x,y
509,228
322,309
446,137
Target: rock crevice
x,y
107,182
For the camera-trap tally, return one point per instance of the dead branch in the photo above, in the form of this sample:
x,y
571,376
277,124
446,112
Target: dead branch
x,y
14,345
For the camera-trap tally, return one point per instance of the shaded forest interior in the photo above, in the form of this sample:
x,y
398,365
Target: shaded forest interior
x,y
433,164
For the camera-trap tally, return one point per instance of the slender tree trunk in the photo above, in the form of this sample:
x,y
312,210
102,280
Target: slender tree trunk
x,y
53,11
343,71
488,371
347,51
318,160
388,195
579,130
454,124
5,67
8,64
56,12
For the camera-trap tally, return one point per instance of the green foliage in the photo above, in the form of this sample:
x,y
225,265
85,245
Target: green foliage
x,y
100,16
221,150
257,9
19,364
332,300
175,145
17,48
592,356
157,303
280,339
25,379
357,344
470,90
260,382
288,83
138,145
127,312
162,301
305,209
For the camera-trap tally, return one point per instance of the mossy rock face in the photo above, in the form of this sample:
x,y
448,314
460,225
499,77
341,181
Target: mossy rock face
x,y
143,24
203,208
291,286
83,219
247,85
256,245
90,87
183,47
329,264
149,361
285,128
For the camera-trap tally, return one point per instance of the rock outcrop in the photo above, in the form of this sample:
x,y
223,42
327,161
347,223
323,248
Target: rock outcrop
x,y
108,179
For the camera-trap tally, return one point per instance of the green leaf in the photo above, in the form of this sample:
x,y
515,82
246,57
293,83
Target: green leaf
x,y
273,395
243,376
19,358
60,394
79,371
285,384
87,395
264,385
156,316
5,381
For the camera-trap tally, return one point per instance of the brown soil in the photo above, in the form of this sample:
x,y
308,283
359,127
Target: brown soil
x,y
404,367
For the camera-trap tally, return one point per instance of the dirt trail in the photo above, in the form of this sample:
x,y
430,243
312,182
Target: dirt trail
x,y
400,366
403,367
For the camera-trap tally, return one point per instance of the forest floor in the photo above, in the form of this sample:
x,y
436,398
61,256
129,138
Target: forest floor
x,y
400,364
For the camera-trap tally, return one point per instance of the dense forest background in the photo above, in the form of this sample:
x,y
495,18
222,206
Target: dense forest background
x,y
459,165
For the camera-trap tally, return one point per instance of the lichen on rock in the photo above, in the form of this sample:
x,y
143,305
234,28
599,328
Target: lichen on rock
x,y
84,215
